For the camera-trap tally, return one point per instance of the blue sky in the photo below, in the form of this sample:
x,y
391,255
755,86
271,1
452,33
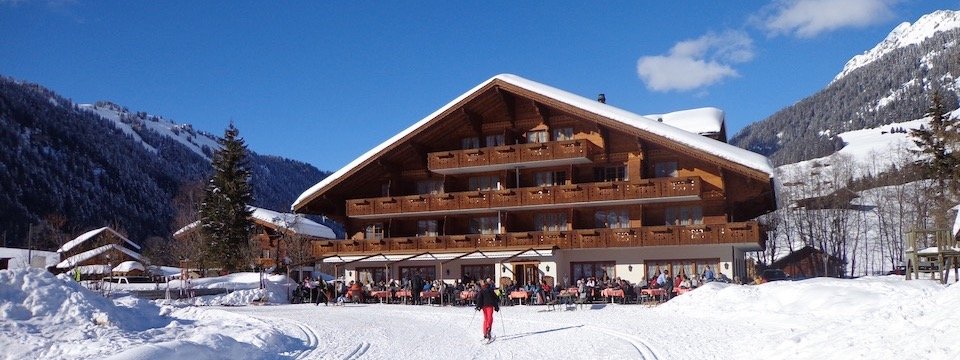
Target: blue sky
x,y
323,82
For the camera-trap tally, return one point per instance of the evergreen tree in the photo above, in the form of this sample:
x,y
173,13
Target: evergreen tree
x,y
936,142
224,213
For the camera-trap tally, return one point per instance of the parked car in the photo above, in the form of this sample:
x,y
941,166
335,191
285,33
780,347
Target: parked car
x,y
899,270
769,275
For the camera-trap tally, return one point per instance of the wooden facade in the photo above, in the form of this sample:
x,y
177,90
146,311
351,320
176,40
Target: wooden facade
x,y
506,167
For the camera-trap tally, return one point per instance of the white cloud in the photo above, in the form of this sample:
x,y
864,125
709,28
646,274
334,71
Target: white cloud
x,y
696,63
809,18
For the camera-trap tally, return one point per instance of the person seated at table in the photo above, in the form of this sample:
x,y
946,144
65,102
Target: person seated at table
x,y
694,282
356,292
685,283
723,278
546,290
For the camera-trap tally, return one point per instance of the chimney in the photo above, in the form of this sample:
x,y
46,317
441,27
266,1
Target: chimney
x,y
601,98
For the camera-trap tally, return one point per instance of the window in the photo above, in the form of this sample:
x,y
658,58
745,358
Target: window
x,y
665,169
427,273
687,267
610,173
430,187
470,143
550,222
374,231
684,215
598,269
427,228
477,272
495,140
372,275
551,178
385,189
538,136
560,134
483,183
485,225
613,219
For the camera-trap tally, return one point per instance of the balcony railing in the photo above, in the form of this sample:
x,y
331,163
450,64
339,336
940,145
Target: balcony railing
x,y
620,191
500,156
678,235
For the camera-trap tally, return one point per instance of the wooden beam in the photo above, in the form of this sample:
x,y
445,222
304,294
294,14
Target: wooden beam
x,y
475,120
509,103
421,150
543,112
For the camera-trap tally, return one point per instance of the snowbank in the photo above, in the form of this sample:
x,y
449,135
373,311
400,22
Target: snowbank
x,y
43,316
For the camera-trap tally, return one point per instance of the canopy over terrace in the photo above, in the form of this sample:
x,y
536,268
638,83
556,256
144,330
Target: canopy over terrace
x,y
440,259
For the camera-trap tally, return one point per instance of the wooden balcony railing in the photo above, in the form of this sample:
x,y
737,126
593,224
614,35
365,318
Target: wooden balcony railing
x,y
509,154
675,235
529,196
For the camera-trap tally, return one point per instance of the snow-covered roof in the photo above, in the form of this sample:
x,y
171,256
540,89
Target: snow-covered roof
x,y
293,222
188,228
708,120
90,235
90,254
128,266
723,150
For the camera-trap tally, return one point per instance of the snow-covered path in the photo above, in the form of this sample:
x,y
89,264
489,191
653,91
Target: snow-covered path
x,y
48,317
378,331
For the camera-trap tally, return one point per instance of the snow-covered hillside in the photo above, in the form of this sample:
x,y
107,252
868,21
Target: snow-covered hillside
x,y
199,142
903,35
867,151
48,317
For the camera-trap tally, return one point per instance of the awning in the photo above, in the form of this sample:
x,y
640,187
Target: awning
x,y
530,253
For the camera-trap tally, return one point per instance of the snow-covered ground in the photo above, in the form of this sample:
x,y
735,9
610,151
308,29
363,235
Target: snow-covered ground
x,y
47,317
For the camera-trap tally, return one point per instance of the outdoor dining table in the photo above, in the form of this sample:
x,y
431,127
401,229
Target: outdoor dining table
x,y
381,295
519,294
467,296
403,295
430,296
659,294
613,293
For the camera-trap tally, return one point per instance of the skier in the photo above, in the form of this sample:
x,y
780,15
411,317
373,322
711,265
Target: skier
x,y
487,301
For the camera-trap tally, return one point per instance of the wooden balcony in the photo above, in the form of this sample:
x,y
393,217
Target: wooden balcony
x,y
575,195
553,153
674,235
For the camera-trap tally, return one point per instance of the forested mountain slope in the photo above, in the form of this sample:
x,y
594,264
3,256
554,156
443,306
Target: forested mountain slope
x,y
73,167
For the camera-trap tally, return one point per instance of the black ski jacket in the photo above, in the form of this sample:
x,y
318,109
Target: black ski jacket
x,y
487,297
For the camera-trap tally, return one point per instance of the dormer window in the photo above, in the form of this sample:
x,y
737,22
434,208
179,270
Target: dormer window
x,y
561,134
470,143
664,169
537,136
496,140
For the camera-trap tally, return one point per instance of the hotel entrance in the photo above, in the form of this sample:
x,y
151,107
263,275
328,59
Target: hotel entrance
x,y
526,273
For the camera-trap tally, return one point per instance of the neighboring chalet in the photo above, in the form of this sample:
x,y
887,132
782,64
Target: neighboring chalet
x,y
269,227
98,252
810,262
522,181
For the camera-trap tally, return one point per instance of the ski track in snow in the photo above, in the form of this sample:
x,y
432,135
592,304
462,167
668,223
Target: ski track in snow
x,y
515,337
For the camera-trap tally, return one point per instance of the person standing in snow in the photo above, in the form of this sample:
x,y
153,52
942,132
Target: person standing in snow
x,y
487,302
416,286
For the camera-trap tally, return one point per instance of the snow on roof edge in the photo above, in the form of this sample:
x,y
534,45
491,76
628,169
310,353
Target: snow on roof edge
x,y
726,151
89,254
377,149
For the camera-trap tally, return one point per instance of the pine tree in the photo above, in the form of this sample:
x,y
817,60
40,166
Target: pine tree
x,y
223,212
936,141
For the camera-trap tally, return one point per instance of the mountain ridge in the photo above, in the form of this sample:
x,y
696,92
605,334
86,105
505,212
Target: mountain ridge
x,y
66,168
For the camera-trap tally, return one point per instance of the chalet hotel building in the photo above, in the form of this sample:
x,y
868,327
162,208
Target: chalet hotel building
x,y
519,180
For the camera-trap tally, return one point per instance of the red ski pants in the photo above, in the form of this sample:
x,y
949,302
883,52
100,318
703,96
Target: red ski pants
x,y
487,319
